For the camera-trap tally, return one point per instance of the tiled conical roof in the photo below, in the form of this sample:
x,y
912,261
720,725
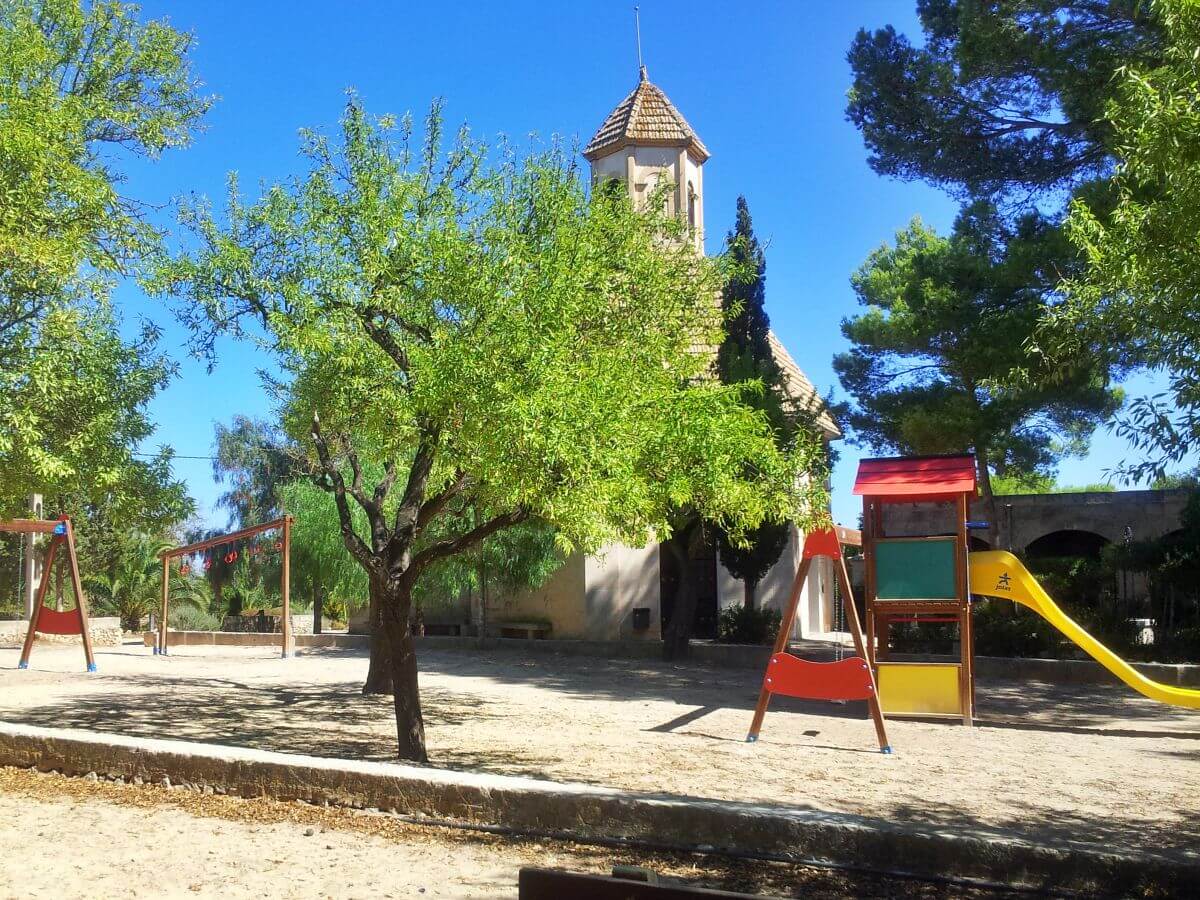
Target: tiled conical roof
x,y
648,118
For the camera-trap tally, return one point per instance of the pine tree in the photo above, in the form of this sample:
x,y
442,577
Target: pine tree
x,y
745,356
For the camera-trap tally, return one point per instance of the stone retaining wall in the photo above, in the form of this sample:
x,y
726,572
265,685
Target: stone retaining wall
x,y
105,632
255,624
582,812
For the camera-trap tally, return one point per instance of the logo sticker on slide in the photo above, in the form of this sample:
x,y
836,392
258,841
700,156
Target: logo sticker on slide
x,y
1002,583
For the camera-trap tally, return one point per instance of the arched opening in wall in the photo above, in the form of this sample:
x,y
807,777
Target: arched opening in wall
x,y
977,544
703,565
691,207
1068,542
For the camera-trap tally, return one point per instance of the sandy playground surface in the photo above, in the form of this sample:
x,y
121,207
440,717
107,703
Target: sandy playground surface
x,y
1051,763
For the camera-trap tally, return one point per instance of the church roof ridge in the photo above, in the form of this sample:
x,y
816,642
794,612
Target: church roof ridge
x,y
646,116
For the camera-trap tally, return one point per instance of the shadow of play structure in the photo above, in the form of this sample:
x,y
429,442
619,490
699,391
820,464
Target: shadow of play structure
x,y
920,578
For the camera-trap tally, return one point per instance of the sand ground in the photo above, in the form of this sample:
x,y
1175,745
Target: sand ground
x,y
1049,763
69,838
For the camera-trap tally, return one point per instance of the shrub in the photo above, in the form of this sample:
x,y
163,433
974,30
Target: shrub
x,y
186,618
748,625
1002,630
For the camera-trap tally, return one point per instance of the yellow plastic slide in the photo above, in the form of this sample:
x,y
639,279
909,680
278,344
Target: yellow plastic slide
x,y
995,573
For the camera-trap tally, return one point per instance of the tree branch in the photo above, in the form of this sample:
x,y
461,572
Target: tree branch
x,y
451,546
435,504
337,486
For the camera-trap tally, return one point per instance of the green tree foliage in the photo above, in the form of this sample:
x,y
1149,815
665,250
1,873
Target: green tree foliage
x,y
1000,98
253,458
1141,287
132,586
745,358
82,87
503,345
947,319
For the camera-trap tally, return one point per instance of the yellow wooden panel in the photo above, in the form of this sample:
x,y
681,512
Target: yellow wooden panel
x,y
919,689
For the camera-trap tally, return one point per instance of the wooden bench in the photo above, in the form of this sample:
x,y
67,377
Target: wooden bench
x,y
554,884
525,630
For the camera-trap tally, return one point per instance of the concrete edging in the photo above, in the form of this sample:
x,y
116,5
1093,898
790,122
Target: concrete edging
x,y
580,812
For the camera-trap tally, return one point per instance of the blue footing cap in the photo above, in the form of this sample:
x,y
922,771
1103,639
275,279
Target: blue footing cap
x,y
887,749
751,738
91,667
22,665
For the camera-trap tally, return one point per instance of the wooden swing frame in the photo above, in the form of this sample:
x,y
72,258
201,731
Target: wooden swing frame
x,y
851,678
282,524
49,621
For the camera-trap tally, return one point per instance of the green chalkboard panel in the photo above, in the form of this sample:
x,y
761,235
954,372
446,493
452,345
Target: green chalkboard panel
x,y
915,570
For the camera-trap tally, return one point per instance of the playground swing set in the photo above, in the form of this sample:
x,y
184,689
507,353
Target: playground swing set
x,y
229,543
44,619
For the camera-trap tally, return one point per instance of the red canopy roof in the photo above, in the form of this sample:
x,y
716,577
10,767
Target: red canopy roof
x,y
916,477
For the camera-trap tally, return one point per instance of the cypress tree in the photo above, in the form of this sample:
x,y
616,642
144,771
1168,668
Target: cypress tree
x,y
745,356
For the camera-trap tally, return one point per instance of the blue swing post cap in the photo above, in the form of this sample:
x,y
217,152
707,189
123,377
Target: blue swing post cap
x,y
887,749
23,665
91,667
751,738
60,528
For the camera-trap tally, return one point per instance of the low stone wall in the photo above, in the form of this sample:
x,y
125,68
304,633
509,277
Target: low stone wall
x,y
105,632
255,624
582,812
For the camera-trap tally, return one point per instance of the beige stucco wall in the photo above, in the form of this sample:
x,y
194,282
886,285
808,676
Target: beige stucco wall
x,y
813,616
620,579
560,601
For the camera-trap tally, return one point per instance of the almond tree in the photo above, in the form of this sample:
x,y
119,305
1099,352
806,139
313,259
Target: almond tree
x,y
506,346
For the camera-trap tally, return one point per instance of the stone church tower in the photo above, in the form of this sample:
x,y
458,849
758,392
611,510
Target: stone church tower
x,y
645,141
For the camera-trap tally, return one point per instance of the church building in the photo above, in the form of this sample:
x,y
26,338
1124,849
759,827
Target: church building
x,y
625,593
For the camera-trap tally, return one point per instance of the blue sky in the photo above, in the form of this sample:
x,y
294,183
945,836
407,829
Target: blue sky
x,y
764,86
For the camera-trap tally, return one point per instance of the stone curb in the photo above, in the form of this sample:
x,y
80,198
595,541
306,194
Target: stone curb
x,y
581,812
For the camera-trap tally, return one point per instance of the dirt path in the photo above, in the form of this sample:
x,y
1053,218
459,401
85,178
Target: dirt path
x,y
146,841
1053,764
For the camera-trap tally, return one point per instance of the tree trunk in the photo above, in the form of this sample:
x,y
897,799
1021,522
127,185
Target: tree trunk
x,y
997,530
379,671
318,604
679,631
410,725
748,599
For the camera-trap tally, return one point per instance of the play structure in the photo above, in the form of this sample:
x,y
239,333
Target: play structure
x,y
844,679
43,618
918,578
996,573
233,546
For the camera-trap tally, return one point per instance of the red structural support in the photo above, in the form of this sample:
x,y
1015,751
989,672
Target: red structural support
x,y
847,679
44,620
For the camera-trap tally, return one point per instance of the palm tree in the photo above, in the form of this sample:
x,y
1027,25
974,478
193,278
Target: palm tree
x,y
132,587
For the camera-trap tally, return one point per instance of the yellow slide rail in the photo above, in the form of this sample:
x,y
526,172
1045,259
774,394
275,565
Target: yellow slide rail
x,y
996,573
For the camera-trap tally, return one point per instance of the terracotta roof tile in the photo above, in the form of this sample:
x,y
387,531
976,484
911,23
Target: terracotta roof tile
x,y
800,389
646,116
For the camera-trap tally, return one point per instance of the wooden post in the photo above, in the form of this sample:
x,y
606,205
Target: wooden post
x,y
38,600
80,601
286,586
967,677
781,641
162,619
843,575
870,532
